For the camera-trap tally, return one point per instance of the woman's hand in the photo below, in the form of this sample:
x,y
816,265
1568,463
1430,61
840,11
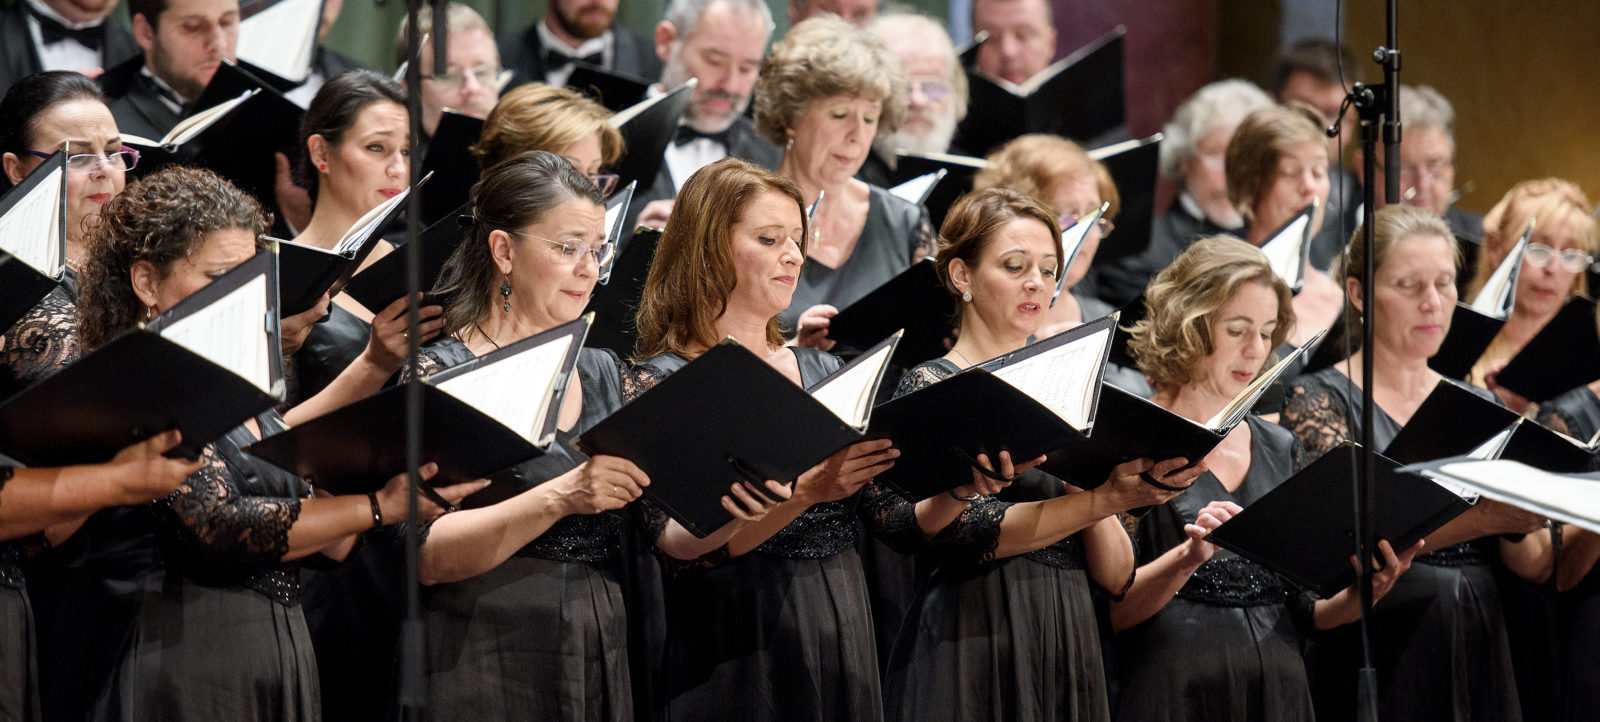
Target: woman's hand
x,y
844,473
1127,486
146,473
813,327
747,504
393,499
655,214
599,484
1511,399
1212,516
293,330
985,485
1387,570
387,342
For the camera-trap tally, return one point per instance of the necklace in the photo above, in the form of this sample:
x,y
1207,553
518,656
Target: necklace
x,y
485,335
964,362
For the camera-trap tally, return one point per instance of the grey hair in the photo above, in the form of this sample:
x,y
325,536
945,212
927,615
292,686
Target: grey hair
x,y
1222,104
897,20
1422,106
685,14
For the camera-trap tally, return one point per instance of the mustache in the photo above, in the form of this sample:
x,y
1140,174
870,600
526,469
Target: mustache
x,y
721,95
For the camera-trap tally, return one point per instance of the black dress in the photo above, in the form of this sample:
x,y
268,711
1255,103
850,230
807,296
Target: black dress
x,y
895,232
330,348
544,634
1577,662
1006,639
781,633
1229,645
19,672
1440,644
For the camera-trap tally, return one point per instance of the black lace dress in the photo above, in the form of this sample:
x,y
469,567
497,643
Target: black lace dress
x,y
781,633
1440,644
1007,639
1229,645
895,232
1576,413
544,634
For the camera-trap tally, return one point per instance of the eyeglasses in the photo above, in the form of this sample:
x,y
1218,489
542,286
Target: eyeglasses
x,y
932,90
483,75
573,249
124,160
1104,224
606,182
1572,259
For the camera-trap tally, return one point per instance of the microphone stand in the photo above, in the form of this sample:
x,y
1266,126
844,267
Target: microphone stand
x,y
413,700
1378,108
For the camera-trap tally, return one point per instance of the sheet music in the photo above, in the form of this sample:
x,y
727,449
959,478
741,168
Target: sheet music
x,y
231,332
1498,293
1285,251
282,38
1063,379
514,391
31,230
364,227
1574,500
849,394
194,125
916,190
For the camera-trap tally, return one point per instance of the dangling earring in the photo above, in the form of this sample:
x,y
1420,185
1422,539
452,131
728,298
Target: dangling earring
x,y
505,292
966,296
149,313
790,145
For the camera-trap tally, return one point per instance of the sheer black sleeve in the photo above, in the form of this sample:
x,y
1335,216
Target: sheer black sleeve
x,y
891,518
209,511
427,365
1317,421
43,341
972,538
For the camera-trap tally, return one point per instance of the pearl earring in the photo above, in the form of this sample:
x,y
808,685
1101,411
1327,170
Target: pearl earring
x,y
966,296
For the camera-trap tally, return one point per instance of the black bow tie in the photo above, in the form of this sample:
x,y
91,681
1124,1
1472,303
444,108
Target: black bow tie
x,y
687,134
554,59
52,31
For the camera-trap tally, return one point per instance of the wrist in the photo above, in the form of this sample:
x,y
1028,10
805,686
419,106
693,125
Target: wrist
x,y
967,499
374,510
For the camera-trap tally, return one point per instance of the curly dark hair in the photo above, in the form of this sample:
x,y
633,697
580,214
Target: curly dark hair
x,y
159,219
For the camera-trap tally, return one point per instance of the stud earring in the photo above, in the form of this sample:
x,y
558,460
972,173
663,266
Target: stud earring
x,y
505,292
966,296
322,167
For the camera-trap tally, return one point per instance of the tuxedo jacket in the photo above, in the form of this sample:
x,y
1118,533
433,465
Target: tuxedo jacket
x,y
743,142
523,53
19,57
135,102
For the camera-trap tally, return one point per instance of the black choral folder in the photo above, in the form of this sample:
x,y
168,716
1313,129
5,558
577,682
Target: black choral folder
x,y
956,180
384,281
616,303
1031,401
728,417
1474,325
1078,97
913,300
616,91
1128,427
1305,528
307,271
647,127
449,158
1134,167
1564,355
1453,421
203,367
479,417
33,238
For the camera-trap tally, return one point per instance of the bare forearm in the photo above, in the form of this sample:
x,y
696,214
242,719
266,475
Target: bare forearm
x,y
326,521
1038,524
1580,549
754,534
936,512
464,544
360,379
36,499
1109,552
1532,558
678,543
1155,585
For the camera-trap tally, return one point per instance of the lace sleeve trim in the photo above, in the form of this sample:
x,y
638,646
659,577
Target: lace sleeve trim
x,y
891,518
1310,412
975,534
43,341
224,525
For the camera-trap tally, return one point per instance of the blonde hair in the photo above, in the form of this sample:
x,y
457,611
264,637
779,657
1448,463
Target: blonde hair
x,y
1032,163
1176,331
821,57
693,276
1548,200
536,116
1261,139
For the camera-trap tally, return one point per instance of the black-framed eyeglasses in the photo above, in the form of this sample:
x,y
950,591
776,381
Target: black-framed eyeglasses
x,y
123,160
1572,260
573,250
